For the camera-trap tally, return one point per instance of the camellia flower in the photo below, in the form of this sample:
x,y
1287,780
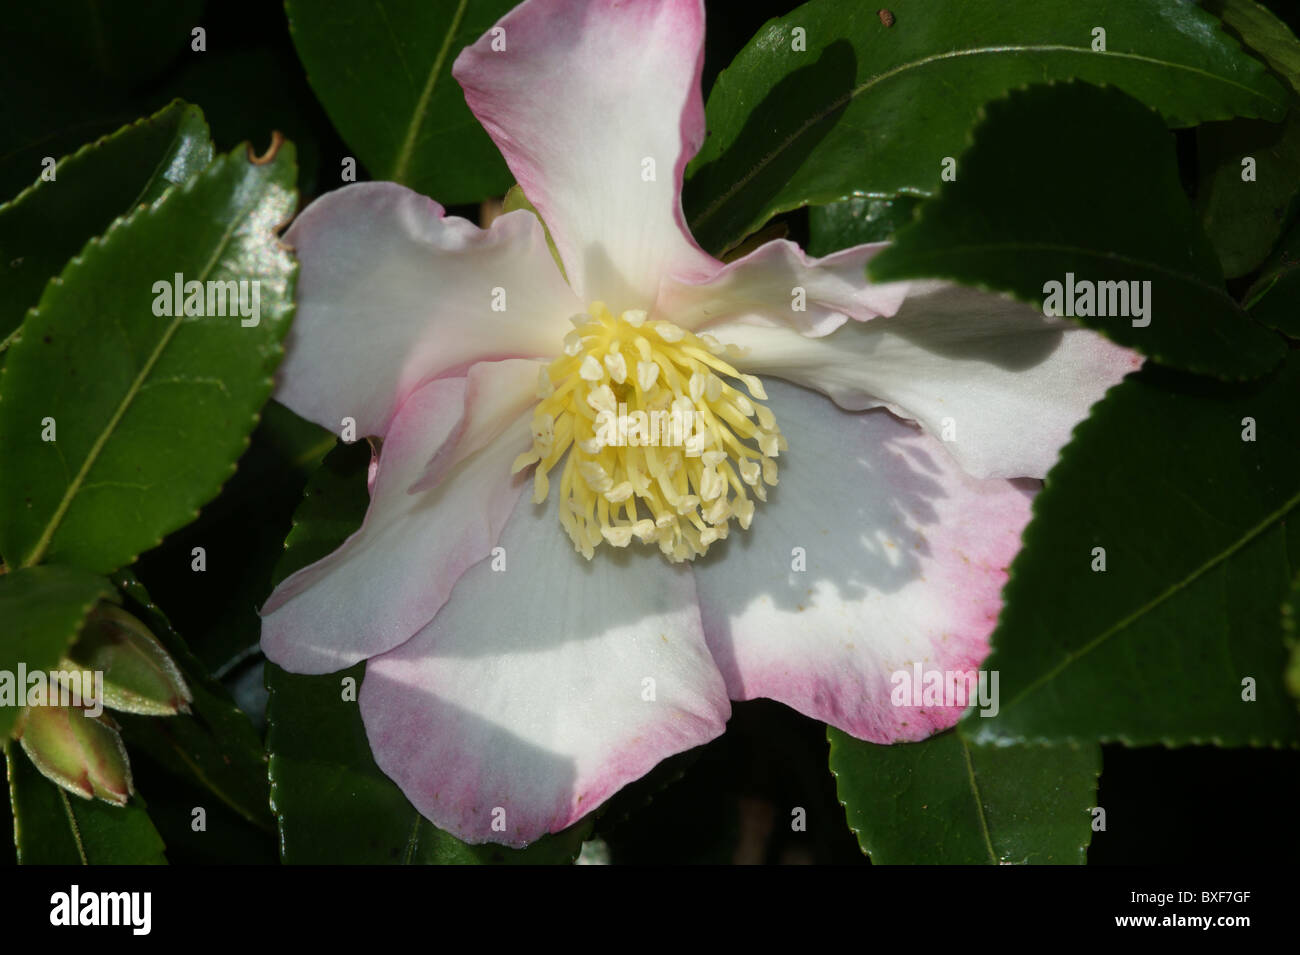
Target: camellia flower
x,y
831,502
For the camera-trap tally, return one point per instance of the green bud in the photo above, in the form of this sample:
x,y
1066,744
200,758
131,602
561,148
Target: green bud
x,y
139,675
82,754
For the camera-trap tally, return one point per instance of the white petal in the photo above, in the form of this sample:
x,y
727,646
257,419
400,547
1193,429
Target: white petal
x,y
391,576
778,283
392,294
496,397
596,107
1001,384
542,688
875,552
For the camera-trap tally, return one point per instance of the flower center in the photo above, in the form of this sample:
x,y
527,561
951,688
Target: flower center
x,y
660,446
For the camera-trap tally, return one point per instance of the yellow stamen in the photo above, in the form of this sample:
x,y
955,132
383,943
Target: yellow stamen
x,y
655,438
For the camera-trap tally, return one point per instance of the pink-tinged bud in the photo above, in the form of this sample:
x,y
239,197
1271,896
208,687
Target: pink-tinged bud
x,y
82,754
138,674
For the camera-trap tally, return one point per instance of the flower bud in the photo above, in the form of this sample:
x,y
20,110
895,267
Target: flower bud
x,y
139,675
82,754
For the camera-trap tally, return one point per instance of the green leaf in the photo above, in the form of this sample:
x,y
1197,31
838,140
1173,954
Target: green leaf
x,y
294,444
214,746
50,222
1107,209
383,74
150,411
1274,299
1264,33
53,828
947,801
333,505
242,534
79,753
76,65
1243,218
139,676
42,609
841,225
249,89
873,110
1193,517
1291,634
333,803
